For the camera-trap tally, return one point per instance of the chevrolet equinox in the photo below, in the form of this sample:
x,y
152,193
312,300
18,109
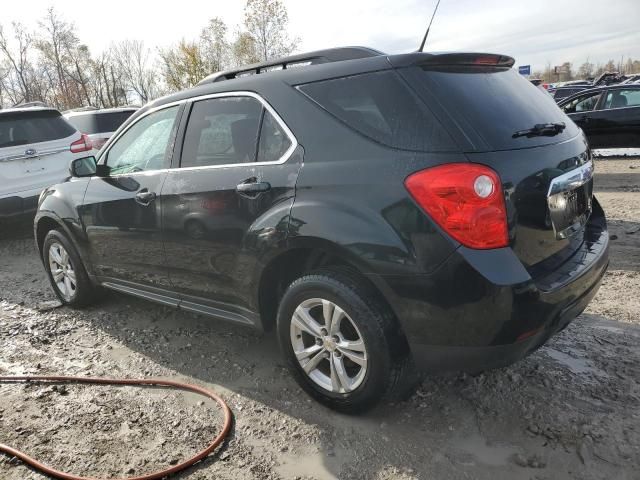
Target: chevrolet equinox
x,y
380,212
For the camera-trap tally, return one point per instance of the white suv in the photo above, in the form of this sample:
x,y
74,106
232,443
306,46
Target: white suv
x,y
98,124
36,147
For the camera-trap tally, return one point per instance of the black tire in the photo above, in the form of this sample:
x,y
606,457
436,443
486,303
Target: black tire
x,y
84,292
389,371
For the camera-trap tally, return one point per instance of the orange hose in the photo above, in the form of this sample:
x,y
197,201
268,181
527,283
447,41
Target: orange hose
x,y
228,419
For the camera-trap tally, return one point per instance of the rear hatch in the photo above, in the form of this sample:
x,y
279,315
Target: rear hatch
x,y
502,121
34,149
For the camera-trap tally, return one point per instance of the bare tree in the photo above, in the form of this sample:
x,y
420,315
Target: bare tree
x,y
16,82
245,50
133,61
214,45
586,69
266,22
58,35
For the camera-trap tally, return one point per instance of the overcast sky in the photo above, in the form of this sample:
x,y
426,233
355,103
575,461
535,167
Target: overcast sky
x,y
533,31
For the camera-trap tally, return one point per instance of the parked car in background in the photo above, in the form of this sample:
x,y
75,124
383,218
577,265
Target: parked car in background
x,y
632,79
609,116
536,82
573,83
366,206
608,78
36,146
567,91
99,124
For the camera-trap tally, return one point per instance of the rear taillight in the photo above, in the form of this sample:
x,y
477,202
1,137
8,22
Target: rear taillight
x,y
81,145
466,200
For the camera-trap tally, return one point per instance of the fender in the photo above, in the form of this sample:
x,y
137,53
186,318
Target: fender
x,y
63,199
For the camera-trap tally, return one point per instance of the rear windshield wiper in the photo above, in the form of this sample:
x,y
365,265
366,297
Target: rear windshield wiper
x,y
541,130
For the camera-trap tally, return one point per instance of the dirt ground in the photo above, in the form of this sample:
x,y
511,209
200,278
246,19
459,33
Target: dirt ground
x,y
569,411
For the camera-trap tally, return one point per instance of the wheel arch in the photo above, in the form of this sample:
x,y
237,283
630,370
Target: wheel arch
x,y
47,221
303,256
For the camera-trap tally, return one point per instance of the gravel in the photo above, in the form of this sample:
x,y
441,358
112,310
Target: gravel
x,y
569,411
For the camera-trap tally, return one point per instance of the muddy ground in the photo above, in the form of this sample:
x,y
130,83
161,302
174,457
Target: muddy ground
x,y
571,410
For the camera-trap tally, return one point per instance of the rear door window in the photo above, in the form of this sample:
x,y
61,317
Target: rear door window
x,y
91,123
222,131
380,106
23,128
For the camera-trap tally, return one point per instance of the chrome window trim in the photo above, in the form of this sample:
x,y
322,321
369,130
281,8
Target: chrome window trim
x,y
240,93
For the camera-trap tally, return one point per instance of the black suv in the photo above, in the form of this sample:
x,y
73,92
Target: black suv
x,y
379,211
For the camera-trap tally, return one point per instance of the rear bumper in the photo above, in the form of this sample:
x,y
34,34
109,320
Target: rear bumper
x,y
482,310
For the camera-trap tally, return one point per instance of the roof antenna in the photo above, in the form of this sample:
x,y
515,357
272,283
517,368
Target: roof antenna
x,y
429,27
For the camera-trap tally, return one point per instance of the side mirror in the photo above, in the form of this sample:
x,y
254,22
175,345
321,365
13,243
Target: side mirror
x,y
87,167
83,167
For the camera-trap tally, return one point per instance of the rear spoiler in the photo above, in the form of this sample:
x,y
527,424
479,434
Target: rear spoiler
x,y
452,60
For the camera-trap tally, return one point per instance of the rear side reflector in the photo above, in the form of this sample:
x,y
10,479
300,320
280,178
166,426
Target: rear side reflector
x,y
465,200
81,145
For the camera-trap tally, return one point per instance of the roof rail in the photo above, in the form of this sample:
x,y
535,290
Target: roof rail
x,y
294,61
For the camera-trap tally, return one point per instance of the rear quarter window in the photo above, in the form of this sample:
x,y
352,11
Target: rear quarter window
x,y
380,106
24,128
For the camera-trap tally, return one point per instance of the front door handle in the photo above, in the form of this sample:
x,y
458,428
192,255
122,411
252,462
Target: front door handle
x,y
252,188
145,197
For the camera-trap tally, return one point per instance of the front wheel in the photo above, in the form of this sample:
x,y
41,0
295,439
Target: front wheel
x,y
341,343
66,271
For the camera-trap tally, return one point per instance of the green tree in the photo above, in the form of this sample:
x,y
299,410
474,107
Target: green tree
x,y
245,50
183,65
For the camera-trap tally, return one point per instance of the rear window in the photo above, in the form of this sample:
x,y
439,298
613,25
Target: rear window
x,y
491,104
380,106
99,122
23,128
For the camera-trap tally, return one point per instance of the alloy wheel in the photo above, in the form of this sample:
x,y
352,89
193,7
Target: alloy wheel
x,y
62,271
328,345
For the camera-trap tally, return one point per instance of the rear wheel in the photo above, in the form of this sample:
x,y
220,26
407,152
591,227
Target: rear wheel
x,y
341,343
66,271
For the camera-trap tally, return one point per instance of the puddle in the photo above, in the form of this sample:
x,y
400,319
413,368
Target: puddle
x,y
306,462
579,366
494,455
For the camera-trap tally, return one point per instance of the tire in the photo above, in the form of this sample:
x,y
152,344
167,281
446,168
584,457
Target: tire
x,y
62,261
374,369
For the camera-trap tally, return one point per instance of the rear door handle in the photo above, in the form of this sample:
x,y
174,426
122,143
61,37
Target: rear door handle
x,y
250,188
145,197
